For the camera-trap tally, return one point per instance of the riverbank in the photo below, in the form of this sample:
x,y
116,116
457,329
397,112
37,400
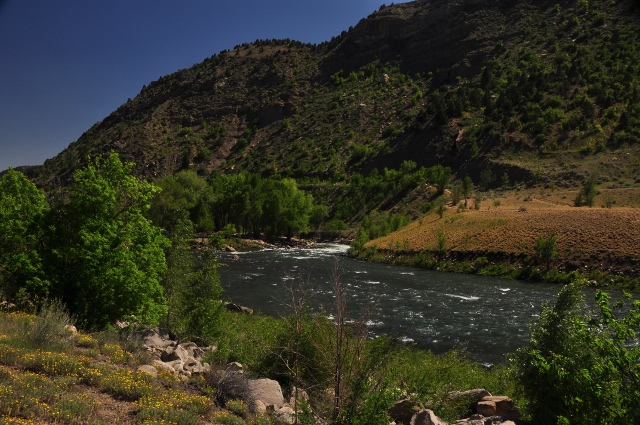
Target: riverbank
x,y
500,265
599,244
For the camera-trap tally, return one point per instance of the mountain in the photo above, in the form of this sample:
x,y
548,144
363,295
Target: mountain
x,y
540,92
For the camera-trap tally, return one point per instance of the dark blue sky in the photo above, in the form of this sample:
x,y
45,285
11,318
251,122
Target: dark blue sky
x,y
67,64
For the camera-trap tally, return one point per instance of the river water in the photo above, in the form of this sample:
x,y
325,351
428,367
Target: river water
x,y
488,317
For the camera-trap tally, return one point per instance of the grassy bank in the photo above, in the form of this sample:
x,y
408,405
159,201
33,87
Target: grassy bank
x,y
48,375
496,234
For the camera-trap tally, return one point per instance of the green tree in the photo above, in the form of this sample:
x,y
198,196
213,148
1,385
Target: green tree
x,y
467,187
581,367
22,207
106,258
286,209
587,193
184,191
547,249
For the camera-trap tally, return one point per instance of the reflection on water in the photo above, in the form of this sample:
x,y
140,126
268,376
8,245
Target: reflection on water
x,y
487,316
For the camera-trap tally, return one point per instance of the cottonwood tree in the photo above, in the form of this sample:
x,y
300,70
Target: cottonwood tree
x,y
22,207
106,258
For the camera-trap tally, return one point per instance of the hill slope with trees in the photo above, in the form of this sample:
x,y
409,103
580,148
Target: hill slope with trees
x,y
536,92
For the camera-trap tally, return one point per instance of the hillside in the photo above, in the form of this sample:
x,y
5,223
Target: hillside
x,y
533,92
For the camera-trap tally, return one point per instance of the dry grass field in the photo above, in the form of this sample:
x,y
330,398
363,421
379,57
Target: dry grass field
x,y
509,224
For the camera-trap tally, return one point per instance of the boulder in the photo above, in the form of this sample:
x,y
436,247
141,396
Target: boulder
x,y
171,354
192,365
148,369
257,407
471,396
160,365
475,394
498,406
285,414
156,340
403,410
238,308
177,365
193,350
426,417
234,367
266,390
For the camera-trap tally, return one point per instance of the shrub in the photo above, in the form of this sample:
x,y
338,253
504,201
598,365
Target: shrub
x,y
580,367
50,328
547,249
238,407
226,418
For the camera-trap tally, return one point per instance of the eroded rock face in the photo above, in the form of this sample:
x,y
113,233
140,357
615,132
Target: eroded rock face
x,y
427,34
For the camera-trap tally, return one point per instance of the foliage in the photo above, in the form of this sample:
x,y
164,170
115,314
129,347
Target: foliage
x,y
587,193
547,249
22,207
105,258
582,367
191,286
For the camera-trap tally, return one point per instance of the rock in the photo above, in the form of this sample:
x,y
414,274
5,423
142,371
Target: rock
x,y
160,365
266,390
192,365
286,414
229,249
177,365
148,369
403,410
493,420
257,407
156,340
238,308
472,396
426,417
498,406
174,353
234,367
193,350
476,394
71,329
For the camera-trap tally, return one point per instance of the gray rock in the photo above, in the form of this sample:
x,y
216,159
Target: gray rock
x,y
257,407
171,354
234,367
286,414
192,365
160,365
426,417
266,390
148,369
403,410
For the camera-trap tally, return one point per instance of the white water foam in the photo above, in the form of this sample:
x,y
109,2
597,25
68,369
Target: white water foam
x,y
462,297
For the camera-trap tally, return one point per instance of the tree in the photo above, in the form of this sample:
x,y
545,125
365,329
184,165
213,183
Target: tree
x,y
191,286
547,248
587,193
106,258
467,187
287,209
22,207
581,367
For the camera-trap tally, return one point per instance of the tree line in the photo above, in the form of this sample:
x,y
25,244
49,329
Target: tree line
x,y
92,246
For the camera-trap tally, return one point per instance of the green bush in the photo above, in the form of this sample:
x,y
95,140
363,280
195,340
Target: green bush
x,y
582,367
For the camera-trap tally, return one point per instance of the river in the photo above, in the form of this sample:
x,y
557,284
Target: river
x,y
488,317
